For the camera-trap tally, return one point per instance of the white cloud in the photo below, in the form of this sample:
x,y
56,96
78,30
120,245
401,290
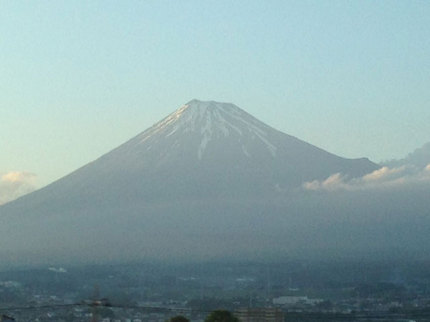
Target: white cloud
x,y
334,182
382,178
15,184
384,174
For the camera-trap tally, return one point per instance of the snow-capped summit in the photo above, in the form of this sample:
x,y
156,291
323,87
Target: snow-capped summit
x,y
210,121
221,142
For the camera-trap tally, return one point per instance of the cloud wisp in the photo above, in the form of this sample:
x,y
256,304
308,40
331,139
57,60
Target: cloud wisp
x,y
15,184
383,178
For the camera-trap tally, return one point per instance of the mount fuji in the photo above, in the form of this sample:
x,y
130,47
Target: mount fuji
x,y
209,180
205,149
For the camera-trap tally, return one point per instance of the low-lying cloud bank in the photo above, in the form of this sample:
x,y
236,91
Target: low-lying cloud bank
x,y
15,184
383,178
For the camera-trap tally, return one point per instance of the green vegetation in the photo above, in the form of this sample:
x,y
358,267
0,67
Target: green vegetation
x,y
179,318
221,316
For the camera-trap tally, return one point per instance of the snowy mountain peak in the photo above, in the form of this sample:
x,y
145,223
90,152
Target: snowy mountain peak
x,y
198,104
207,137
198,109
211,121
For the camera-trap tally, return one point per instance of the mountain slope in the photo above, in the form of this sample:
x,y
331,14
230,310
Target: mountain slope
x,y
207,149
206,165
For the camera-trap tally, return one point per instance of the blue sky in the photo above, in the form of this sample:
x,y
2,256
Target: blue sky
x,y
78,78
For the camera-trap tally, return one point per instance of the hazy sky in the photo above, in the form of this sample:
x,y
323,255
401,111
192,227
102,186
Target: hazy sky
x,y
78,78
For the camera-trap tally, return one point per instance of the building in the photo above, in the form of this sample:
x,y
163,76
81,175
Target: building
x,y
269,314
293,300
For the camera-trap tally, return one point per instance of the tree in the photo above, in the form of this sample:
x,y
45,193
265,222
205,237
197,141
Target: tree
x,y
221,316
179,318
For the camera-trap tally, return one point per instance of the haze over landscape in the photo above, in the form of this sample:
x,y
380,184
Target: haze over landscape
x,y
228,161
